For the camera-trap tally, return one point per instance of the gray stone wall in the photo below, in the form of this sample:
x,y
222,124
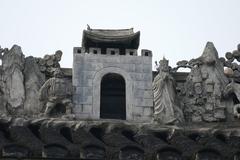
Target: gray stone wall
x,y
88,70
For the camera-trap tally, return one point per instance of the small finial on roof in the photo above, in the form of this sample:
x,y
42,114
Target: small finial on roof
x,y
88,27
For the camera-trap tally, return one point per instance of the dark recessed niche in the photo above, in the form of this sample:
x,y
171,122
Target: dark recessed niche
x,y
131,153
162,136
112,52
168,153
235,99
58,110
113,94
97,132
35,129
131,53
209,154
93,152
79,51
66,132
221,137
4,131
128,134
94,51
194,136
55,151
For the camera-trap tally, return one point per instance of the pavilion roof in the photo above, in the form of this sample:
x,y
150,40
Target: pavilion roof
x,y
111,38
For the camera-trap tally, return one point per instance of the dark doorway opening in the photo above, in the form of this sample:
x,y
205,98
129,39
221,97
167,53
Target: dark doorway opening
x,y
113,97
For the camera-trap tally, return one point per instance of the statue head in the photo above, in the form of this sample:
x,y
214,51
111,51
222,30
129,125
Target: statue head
x,y
164,65
58,73
58,55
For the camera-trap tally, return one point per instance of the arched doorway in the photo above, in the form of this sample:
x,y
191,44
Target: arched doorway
x,y
113,97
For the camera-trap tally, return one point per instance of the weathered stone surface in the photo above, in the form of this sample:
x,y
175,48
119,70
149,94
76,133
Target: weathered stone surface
x,y
56,93
55,138
59,134
33,80
2,98
23,136
13,65
49,63
229,55
166,110
91,147
186,145
204,88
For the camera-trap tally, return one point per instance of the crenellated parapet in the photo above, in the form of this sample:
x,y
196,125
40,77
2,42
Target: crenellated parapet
x,y
112,52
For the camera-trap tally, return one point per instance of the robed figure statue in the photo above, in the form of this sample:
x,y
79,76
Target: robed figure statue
x,y
166,110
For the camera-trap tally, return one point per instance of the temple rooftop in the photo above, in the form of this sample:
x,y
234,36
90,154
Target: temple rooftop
x,y
111,38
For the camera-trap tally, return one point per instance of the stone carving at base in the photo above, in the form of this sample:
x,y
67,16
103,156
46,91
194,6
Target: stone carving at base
x,y
166,110
56,92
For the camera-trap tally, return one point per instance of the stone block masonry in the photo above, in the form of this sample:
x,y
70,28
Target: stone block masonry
x,y
89,69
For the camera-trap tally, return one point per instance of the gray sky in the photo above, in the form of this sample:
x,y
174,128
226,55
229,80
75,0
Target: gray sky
x,y
176,29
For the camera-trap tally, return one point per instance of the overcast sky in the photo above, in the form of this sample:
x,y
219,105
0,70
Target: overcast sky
x,y
176,29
